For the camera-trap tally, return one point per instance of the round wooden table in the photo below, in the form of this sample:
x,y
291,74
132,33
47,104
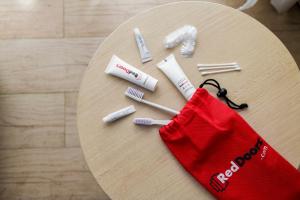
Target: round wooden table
x,y
131,162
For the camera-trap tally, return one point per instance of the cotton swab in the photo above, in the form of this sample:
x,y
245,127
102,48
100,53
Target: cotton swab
x,y
217,64
220,71
218,67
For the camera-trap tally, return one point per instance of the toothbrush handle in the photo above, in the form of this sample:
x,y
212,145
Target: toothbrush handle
x,y
168,110
161,122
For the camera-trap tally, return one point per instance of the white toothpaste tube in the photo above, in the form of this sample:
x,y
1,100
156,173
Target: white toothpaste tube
x,y
144,52
119,114
118,67
173,71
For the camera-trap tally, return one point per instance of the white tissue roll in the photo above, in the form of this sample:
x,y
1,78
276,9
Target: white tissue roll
x,y
283,5
248,4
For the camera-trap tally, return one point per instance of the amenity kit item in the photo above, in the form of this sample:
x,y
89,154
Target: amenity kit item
x,y
210,140
223,153
175,38
144,52
118,67
221,71
138,95
150,121
187,36
173,71
119,114
218,68
221,65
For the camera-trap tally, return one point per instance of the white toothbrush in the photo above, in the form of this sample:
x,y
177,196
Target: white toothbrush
x,y
137,95
150,121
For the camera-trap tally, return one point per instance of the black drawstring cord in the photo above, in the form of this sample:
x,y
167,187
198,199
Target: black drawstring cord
x,y
222,92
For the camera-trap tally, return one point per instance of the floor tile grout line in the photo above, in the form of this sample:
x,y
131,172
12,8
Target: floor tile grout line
x,y
39,93
54,38
43,148
59,147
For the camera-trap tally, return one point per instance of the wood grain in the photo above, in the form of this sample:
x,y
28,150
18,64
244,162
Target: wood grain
x,y
266,14
32,110
31,19
285,26
81,16
46,174
100,18
116,153
85,189
71,133
41,70
15,137
44,65
32,120
292,40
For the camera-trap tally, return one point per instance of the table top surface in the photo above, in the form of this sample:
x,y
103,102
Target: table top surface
x,y
131,162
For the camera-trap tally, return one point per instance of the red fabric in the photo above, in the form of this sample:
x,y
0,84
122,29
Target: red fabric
x,y
216,146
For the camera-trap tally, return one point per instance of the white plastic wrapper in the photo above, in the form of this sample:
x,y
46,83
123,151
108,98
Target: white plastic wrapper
x,y
175,38
186,35
189,42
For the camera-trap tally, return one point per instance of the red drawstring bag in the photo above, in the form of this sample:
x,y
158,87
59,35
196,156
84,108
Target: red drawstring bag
x,y
219,149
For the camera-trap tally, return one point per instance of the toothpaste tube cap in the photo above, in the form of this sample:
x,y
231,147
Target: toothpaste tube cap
x,y
151,83
106,119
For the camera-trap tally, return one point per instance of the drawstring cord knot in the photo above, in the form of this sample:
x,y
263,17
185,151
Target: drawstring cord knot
x,y
222,93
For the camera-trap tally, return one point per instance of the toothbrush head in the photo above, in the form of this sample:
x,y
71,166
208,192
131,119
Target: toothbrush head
x,y
134,94
143,121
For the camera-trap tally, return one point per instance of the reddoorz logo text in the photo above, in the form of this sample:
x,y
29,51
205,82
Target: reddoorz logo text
x,y
220,181
128,71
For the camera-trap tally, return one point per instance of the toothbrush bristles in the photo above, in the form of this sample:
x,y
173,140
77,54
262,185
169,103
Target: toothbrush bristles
x,y
134,93
142,121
